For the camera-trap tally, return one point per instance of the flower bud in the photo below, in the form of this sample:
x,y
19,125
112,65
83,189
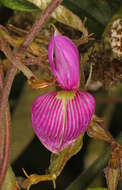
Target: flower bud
x,y
64,61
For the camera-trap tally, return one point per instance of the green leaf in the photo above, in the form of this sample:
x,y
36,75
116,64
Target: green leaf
x,y
9,181
98,12
58,161
19,5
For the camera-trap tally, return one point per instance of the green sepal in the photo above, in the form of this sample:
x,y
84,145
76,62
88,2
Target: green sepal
x,y
58,161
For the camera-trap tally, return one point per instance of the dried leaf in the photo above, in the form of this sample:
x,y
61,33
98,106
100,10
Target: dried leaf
x,y
62,15
112,177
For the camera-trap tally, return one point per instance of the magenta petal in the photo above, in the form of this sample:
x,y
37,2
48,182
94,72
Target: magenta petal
x,y
64,61
48,119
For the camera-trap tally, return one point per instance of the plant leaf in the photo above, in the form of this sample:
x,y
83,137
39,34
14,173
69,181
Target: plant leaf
x,y
19,5
61,14
98,12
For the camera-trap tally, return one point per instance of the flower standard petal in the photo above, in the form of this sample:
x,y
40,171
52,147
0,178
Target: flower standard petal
x,y
64,61
47,118
58,118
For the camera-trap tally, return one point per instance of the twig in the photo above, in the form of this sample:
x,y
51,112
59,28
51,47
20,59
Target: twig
x,y
1,77
5,137
5,160
3,117
1,129
37,26
6,90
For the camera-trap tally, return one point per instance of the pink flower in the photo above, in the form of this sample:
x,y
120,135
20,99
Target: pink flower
x,y
60,117
64,62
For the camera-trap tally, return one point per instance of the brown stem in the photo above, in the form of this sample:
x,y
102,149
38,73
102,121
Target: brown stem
x,y
6,90
3,104
1,129
5,121
37,26
1,77
5,160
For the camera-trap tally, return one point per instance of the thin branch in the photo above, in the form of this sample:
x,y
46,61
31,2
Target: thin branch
x,y
1,76
4,136
37,26
5,121
1,129
5,160
4,100
6,90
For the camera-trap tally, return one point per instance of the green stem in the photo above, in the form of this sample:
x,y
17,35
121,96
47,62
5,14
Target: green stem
x,y
84,179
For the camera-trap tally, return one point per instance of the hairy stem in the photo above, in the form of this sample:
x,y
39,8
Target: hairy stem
x,y
37,26
6,90
4,136
5,121
5,159
1,129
